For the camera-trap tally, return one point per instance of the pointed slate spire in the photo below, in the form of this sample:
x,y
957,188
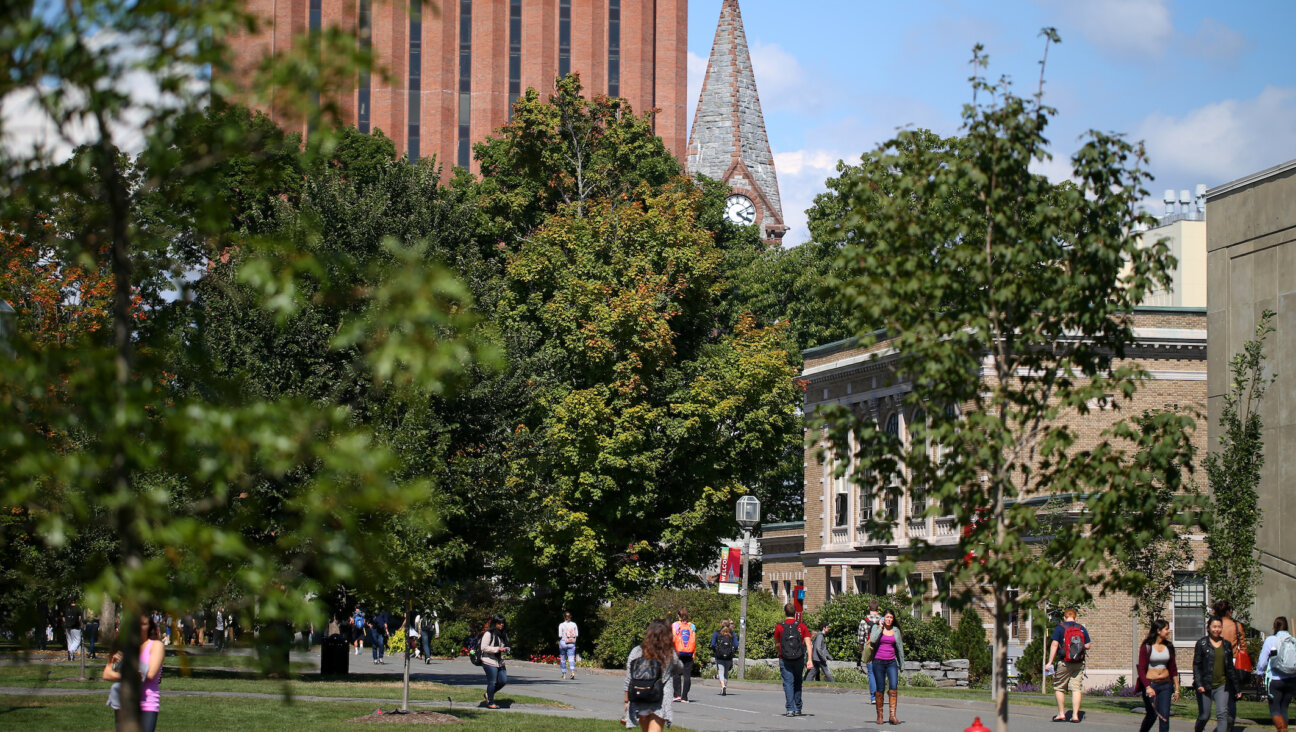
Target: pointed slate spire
x,y
728,140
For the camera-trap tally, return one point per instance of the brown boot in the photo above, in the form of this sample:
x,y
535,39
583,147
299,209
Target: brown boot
x,y
1280,722
878,699
895,699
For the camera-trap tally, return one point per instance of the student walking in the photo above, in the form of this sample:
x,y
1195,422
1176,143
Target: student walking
x,y
820,657
378,633
567,635
220,629
792,639
1235,633
866,652
888,659
72,629
1158,676
1276,668
92,635
651,666
494,645
684,635
723,646
151,653
1214,677
358,629
1067,647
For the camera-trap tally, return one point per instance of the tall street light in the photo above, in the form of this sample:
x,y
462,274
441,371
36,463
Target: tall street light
x,y
748,514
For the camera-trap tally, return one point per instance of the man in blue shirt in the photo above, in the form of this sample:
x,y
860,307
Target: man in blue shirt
x,y
1072,640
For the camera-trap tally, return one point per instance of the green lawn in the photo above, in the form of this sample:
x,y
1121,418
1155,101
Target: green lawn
x,y
46,676
197,714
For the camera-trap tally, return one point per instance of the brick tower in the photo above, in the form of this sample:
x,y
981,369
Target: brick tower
x,y
455,67
728,140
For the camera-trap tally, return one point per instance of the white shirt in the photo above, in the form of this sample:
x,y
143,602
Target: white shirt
x,y
566,629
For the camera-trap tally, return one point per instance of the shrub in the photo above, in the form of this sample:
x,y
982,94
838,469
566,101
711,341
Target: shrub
x,y
850,676
924,640
451,642
970,642
919,680
761,671
396,643
623,622
1029,665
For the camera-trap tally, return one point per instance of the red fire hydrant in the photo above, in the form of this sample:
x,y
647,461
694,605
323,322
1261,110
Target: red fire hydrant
x,y
977,726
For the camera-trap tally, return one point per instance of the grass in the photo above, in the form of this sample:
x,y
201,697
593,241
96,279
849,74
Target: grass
x,y
197,714
46,676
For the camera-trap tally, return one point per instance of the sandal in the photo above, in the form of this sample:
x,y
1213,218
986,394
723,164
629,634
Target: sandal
x,y
492,706
1061,719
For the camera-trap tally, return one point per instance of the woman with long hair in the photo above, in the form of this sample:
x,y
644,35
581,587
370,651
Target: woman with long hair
x,y
151,653
724,643
1278,686
494,645
1214,676
1158,676
650,671
888,659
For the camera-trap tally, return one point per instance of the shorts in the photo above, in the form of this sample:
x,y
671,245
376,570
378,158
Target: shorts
x,y
1069,676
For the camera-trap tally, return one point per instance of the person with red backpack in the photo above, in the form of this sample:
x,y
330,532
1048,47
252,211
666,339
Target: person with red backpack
x,y
792,639
1068,646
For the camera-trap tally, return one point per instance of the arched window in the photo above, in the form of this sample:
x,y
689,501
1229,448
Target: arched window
x,y
892,425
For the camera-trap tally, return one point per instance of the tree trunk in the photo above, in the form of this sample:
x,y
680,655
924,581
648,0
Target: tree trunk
x,y
1001,659
107,623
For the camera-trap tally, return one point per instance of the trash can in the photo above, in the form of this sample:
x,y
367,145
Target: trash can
x,y
334,656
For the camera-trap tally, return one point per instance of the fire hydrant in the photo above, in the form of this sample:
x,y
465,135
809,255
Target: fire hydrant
x,y
977,726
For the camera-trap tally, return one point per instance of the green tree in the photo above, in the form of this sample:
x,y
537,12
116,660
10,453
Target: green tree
x,y
1005,298
182,478
970,642
1233,568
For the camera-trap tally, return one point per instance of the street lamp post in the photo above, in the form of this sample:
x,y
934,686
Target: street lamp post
x,y
748,515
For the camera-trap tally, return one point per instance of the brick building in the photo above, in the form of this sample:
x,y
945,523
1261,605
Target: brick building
x,y
456,66
832,554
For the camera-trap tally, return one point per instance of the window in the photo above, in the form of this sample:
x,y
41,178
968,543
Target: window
x,y
915,586
564,37
464,153
515,54
940,580
415,75
841,510
1189,607
315,20
834,587
917,501
862,585
774,588
787,590
614,48
865,505
893,425
364,87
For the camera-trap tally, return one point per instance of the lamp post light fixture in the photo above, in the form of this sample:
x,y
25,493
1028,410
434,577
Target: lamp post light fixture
x,y
747,512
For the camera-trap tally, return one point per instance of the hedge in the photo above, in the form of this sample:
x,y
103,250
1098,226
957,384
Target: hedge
x,y
924,640
623,622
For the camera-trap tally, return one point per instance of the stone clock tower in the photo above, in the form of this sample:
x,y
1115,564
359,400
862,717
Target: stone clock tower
x,y
728,140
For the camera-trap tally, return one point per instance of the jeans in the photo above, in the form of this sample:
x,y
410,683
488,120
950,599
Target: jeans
x,y
820,670
887,671
567,657
425,638
792,678
220,638
91,636
1157,708
872,678
496,679
685,679
148,720
724,666
379,642
1219,697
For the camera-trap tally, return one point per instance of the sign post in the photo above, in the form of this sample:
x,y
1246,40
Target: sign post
x,y
748,515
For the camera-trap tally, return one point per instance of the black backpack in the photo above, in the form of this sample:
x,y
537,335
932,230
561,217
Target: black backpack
x,y
646,682
791,647
724,649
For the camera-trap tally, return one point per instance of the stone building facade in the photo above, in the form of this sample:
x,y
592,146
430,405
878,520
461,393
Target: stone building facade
x,y
455,67
728,141
832,554
1251,265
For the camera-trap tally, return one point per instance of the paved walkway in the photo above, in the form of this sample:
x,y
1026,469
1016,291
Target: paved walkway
x,y
748,706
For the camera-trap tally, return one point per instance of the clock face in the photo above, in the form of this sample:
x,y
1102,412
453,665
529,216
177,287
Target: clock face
x,y
740,210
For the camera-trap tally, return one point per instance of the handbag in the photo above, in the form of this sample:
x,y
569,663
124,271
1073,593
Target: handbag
x,y
1242,661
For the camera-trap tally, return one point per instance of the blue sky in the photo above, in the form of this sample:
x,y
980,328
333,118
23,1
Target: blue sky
x,y
1210,86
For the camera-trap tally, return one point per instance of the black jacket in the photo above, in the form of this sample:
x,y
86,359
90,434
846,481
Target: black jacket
x,y
1204,665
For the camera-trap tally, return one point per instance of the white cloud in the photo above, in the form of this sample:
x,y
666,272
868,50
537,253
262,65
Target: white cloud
x,y
801,175
1121,27
1223,140
783,83
1214,41
696,73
